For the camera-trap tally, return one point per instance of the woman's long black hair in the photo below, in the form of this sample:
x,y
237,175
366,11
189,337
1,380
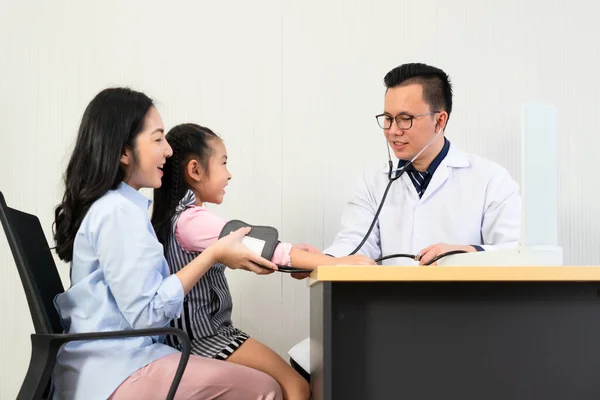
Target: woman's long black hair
x,y
110,122
188,141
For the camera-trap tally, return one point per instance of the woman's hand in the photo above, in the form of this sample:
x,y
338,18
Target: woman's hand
x,y
231,252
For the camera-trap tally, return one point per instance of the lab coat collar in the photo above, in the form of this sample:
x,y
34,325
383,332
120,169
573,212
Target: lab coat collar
x,y
455,158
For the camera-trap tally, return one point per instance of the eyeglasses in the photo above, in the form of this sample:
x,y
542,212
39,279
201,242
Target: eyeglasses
x,y
403,120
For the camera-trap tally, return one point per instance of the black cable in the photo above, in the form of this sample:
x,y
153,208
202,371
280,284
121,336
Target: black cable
x,y
284,268
414,257
292,270
387,189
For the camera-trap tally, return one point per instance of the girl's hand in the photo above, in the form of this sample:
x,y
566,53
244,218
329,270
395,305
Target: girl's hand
x,y
309,249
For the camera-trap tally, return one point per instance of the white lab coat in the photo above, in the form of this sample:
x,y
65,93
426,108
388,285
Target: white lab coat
x,y
469,201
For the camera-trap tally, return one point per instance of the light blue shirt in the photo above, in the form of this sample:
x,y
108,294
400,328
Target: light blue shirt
x,y
119,280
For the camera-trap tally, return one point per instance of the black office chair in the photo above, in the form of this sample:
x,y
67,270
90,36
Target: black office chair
x,y
42,283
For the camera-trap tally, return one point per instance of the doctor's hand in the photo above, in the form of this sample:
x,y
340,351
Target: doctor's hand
x,y
431,252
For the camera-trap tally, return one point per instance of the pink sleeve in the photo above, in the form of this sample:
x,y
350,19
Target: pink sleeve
x,y
281,255
198,228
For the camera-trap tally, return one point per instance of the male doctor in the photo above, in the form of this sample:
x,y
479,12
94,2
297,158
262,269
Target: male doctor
x,y
445,200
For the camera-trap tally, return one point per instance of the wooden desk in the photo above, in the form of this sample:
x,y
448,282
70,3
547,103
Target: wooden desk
x,y
455,333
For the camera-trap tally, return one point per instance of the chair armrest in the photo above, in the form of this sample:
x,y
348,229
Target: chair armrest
x,y
69,337
56,340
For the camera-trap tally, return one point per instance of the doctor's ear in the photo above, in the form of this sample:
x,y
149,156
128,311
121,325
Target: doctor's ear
x,y
440,123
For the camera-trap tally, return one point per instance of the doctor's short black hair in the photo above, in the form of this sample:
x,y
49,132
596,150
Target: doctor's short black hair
x,y
437,89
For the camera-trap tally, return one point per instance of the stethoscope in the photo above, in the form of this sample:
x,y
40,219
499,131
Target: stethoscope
x,y
392,179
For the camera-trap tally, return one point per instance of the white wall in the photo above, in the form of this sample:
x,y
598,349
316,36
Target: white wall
x,y
292,87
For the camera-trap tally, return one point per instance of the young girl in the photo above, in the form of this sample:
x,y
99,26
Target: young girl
x,y
186,229
119,276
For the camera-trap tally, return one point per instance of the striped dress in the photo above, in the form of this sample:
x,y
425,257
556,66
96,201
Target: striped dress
x,y
206,316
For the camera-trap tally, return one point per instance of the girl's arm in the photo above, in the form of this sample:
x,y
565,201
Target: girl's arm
x,y
305,260
198,228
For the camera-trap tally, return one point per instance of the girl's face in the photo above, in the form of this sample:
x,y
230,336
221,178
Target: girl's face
x,y
210,187
144,170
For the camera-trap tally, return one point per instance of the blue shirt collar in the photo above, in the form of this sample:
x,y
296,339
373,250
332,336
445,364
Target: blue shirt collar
x,y
436,161
134,196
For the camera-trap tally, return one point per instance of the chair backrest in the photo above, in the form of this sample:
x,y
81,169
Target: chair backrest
x,y
36,266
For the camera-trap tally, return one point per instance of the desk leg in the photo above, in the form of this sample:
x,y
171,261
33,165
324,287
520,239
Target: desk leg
x,y
320,341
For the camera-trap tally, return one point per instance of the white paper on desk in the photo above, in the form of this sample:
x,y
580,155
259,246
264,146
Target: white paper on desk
x,y
301,354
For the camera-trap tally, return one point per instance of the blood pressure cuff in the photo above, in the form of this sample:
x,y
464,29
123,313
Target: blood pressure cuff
x,y
261,240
